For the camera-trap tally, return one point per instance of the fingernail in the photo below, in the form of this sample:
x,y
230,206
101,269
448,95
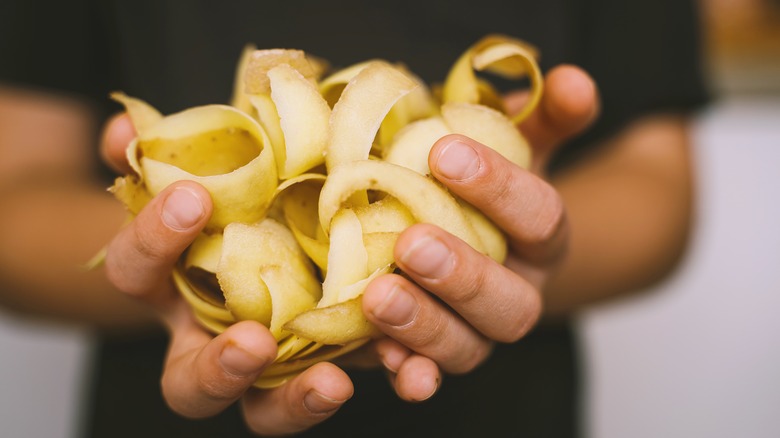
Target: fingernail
x,y
429,257
317,403
398,308
436,383
182,209
241,362
458,161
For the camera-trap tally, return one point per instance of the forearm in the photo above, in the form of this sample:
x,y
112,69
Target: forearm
x,y
49,229
629,209
53,215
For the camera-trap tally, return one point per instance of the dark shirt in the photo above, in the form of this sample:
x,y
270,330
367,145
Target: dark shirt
x,y
177,54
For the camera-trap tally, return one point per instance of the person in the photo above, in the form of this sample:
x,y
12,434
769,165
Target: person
x,y
603,212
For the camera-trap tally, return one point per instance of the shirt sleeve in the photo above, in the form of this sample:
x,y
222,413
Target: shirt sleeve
x,y
645,57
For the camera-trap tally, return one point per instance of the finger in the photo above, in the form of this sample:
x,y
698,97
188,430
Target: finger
x,y
418,379
423,324
140,258
392,354
499,303
365,357
117,134
203,376
526,207
385,352
308,399
569,105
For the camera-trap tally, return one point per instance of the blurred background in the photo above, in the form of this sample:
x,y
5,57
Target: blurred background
x,y
697,356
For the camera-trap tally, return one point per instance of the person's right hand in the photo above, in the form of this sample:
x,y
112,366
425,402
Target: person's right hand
x,y
204,374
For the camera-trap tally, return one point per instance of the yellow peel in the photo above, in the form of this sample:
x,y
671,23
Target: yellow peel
x,y
322,354
461,82
337,324
304,117
356,289
241,190
514,59
281,372
248,250
299,203
203,307
332,86
379,247
385,215
412,144
415,105
268,117
427,201
288,297
489,234
261,61
205,252
490,128
359,112
498,54
240,99
143,115
131,192
254,260
346,243
291,346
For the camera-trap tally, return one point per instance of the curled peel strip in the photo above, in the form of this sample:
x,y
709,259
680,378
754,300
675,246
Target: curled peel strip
x,y
363,105
217,146
497,54
250,274
303,116
426,201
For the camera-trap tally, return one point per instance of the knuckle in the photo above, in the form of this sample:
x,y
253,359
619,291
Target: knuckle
x,y
214,388
173,398
550,217
147,245
198,394
513,333
473,358
429,334
117,275
468,286
255,426
499,184
262,425
521,325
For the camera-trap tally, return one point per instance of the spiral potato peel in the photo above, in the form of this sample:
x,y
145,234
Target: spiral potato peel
x,y
312,180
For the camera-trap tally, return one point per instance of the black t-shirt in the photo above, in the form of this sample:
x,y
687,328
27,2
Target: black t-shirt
x,y
179,53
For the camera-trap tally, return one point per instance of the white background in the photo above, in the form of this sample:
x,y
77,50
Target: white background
x,y
698,356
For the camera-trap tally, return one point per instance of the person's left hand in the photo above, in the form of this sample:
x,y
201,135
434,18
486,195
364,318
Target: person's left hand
x,y
456,302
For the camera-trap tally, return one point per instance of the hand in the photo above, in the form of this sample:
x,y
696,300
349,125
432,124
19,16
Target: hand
x,y
456,302
205,374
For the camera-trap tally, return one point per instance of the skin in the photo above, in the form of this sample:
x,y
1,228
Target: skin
x,y
629,204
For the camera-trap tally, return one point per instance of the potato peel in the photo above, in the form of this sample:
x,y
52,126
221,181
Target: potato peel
x,y
365,102
313,180
426,200
501,55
